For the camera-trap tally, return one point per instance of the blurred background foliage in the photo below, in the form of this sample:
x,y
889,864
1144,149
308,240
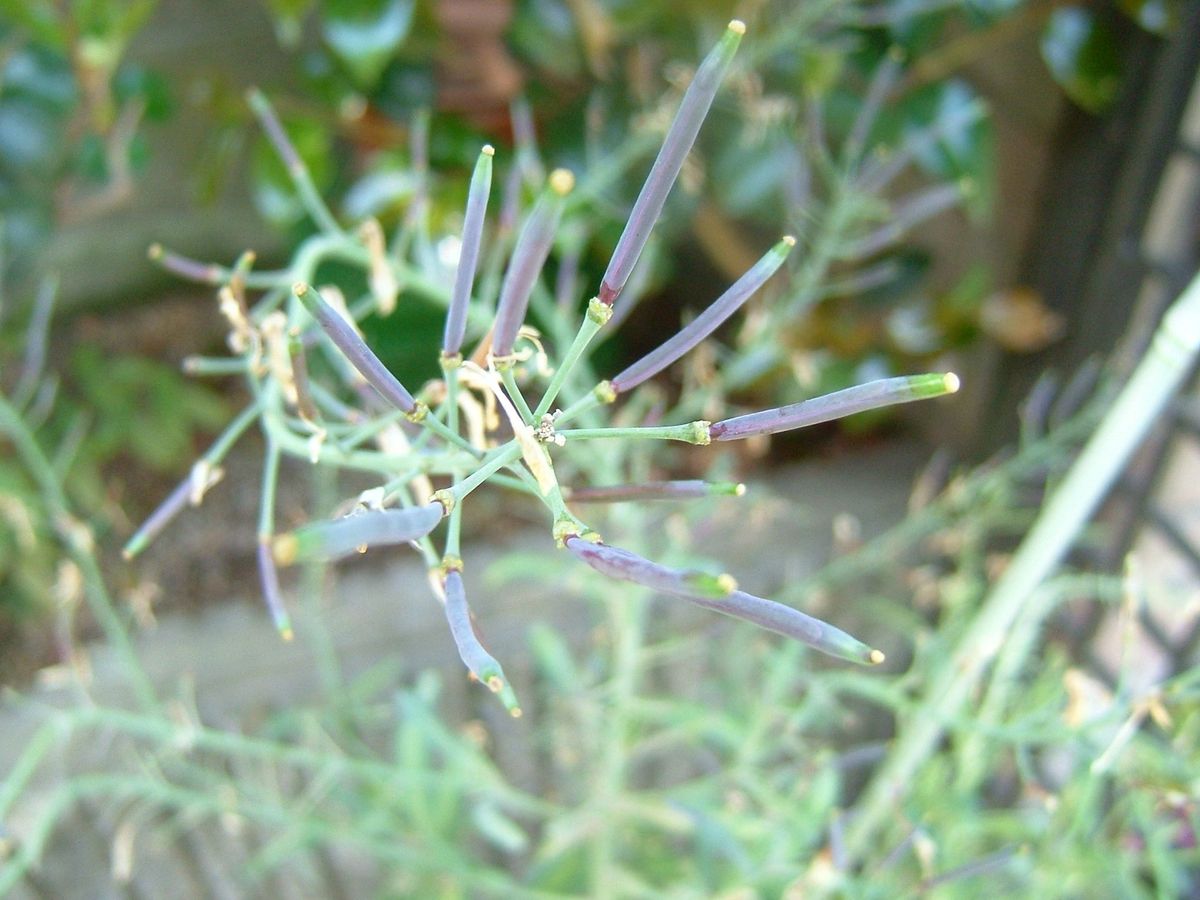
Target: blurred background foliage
x,y
388,101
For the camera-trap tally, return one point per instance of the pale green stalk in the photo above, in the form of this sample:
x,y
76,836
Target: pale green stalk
x,y
1130,417
593,321
77,538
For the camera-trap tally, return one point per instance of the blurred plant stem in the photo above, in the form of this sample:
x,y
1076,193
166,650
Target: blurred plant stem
x,y
77,538
1064,515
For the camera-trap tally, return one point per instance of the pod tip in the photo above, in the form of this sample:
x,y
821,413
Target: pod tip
x,y
789,239
737,26
875,657
952,383
488,150
562,181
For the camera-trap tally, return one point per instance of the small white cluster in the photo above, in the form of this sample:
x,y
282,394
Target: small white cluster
x,y
545,432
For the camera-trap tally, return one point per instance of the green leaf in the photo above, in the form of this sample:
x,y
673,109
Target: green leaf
x,y
967,149
1158,16
1081,53
365,34
136,82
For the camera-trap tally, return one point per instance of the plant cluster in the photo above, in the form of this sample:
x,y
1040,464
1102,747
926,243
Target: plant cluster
x,y
332,421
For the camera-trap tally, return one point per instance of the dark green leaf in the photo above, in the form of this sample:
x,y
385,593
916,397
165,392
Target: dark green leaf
x,y
1081,53
1158,16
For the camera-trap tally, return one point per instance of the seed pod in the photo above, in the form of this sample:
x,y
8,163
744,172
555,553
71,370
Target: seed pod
x,y
478,661
618,563
342,537
720,594
355,349
468,256
679,140
269,579
708,321
794,624
654,490
862,397
528,257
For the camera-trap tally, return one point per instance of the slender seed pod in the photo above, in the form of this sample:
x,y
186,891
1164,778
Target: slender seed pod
x,y
616,562
679,140
175,503
720,594
794,624
528,257
355,349
872,395
268,577
655,490
478,661
188,492
468,257
708,321
342,537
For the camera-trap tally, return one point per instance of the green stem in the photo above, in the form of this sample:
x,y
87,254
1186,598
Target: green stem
x,y
510,385
77,539
495,460
688,432
1135,410
597,315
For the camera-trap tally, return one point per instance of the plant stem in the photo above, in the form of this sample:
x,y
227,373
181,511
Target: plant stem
x,y
1151,386
514,391
688,432
77,539
593,321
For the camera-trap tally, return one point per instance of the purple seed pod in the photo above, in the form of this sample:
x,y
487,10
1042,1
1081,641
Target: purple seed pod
x,y
794,624
268,577
720,594
618,563
342,537
175,503
478,661
468,257
525,264
355,349
708,321
872,395
655,490
191,269
679,140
